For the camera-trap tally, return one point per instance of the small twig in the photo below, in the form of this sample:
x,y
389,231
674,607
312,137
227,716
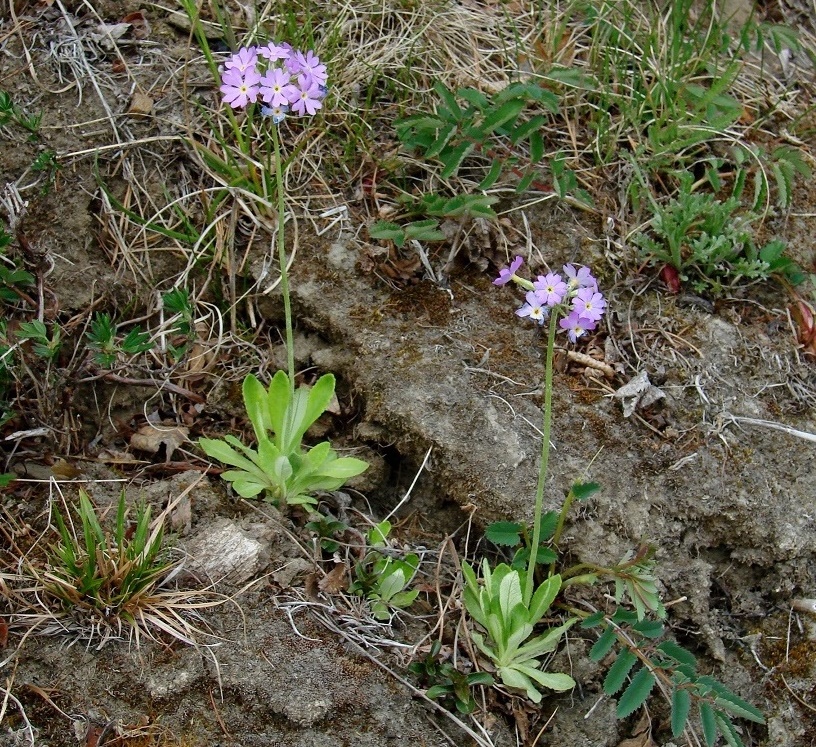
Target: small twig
x,y
160,385
412,485
727,416
590,362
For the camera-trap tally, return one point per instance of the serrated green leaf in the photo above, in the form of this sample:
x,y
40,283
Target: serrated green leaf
x,y
618,672
727,730
603,645
536,146
649,628
388,231
783,185
526,128
582,490
448,99
680,705
453,159
492,175
709,724
442,138
678,653
636,694
424,230
549,521
507,112
736,705
595,619
474,97
506,533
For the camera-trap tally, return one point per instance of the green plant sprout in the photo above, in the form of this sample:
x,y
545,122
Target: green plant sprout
x,y
383,579
44,346
499,606
102,340
280,467
444,682
709,241
12,277
326,528
10,113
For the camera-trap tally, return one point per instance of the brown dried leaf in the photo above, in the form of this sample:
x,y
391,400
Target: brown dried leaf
x,y
335,580
140,105
151,438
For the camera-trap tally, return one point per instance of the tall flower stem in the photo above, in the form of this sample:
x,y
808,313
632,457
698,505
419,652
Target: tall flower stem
x,y
287,301
545,460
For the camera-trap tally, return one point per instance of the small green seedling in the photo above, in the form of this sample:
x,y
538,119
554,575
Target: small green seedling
x,y
44,346
383,579
326,528
281,468
445,682
106,348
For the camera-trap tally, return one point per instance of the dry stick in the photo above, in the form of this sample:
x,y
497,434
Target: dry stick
x,y
160,385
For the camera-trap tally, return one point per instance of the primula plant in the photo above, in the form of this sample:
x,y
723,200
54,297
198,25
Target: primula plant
x,y
280,467
281,79
508,602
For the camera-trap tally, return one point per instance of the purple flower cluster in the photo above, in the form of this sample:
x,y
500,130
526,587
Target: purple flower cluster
x,y
282,77
574,294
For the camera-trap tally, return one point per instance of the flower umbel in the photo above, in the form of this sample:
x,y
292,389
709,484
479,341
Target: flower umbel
x,y
576,300
266,72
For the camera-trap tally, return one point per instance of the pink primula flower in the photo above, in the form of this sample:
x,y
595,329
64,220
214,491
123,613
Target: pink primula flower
x,y
244,59
309,64
240,89
506,273
304,98
550,289
273,85
589,303
534,308
576,325
274,52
